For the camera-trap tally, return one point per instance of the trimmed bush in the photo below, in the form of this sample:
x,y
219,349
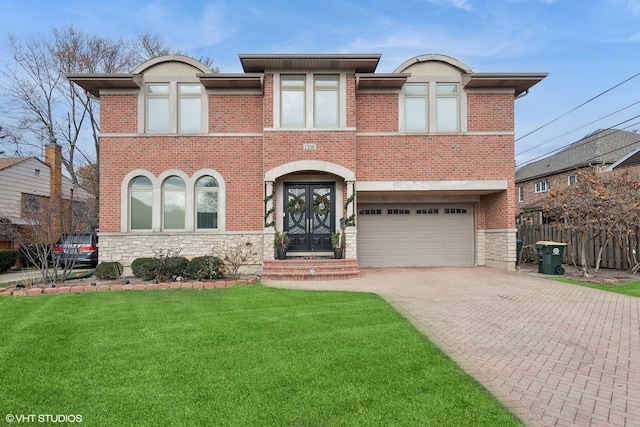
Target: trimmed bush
x,y
8,259
162,268
109,270
143,268
167,267
206,268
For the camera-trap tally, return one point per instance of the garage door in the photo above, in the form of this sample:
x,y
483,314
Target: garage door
x,y
415,235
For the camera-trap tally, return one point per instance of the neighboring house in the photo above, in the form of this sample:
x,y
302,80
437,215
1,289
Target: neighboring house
x,y
601,149
25,182
417,164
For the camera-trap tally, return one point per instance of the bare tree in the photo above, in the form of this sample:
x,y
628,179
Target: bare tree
x,y
598,204
45,220
45,107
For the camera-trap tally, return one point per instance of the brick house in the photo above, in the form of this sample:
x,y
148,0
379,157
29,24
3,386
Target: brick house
x,y
604,149
416,165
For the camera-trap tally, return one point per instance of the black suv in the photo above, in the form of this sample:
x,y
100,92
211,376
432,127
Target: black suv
x,y
77,249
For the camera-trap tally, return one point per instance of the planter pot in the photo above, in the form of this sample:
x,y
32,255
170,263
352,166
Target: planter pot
x,y
281,253
337,253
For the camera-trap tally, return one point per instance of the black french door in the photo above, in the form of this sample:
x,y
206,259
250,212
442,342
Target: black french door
x,y
309,215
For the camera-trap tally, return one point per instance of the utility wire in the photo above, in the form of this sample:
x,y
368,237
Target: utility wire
x,y
589,139
578,128
579,106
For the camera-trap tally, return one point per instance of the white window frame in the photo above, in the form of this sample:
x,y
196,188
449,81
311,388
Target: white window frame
x,y
309,100
201,190
521,194
166,192
284,88
432,96
317,88
572,179
130,192
174,99
157,206
542,187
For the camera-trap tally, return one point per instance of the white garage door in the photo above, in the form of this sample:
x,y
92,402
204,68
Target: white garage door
x,y
415,235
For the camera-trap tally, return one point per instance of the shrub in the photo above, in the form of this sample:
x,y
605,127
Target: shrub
x,y
109,270
143,268
8,259
161,267
206,268
167,267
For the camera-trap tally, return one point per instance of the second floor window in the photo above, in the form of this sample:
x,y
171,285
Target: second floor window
x,y
521,194
416,107
172,108
292,101
542,186
309,101
326,101
432,107
573,179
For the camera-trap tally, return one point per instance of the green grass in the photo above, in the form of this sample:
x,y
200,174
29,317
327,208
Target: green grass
x,y
241,356
629,288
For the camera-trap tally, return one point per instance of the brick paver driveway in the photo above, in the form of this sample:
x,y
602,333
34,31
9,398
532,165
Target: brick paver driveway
x,y
556,354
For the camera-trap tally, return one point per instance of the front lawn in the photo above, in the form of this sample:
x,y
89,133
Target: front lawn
x,y
241,356
630,288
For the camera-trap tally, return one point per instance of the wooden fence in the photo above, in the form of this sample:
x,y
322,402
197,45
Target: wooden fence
x,y
617,254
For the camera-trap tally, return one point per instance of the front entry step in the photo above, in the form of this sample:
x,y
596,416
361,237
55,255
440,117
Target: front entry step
x,y
310,269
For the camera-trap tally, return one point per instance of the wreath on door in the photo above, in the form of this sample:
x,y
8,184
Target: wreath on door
x,y
296,205
321,205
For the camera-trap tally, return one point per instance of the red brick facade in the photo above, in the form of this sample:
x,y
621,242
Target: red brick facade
x,y
246,146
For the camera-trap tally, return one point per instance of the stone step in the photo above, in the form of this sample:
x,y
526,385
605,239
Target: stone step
x,y
310,269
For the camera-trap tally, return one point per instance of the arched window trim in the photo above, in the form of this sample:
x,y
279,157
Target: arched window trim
x,y
182,190
188,226
221,199
157,182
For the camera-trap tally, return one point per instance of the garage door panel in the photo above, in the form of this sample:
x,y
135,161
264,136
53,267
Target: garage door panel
x,y
427,236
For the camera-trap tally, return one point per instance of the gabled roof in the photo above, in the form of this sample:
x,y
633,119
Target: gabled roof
x,y
7,162
604,146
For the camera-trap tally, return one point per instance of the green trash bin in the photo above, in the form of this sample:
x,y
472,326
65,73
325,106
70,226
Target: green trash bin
x,y
550,257
518,250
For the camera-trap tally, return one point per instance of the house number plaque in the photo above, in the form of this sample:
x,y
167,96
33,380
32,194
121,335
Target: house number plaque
x,y
309,147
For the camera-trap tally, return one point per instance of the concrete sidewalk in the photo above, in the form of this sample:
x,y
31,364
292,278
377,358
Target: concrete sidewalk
x,y
556,354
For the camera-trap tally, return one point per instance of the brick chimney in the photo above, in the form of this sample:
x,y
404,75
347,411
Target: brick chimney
x,y
53,157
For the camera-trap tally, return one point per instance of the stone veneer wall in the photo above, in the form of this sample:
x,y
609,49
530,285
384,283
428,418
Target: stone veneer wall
x,y
125,248
499,248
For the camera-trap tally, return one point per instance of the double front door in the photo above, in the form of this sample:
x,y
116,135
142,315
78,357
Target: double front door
x,y
309,216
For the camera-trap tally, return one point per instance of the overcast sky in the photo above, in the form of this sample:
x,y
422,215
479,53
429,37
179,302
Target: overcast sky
x,y
587,46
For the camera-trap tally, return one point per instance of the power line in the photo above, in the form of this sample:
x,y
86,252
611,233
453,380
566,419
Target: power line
x,y
578,128
595,134
579,106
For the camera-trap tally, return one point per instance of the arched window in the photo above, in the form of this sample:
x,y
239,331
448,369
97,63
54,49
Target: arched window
x,y
206,203
173,207
140,203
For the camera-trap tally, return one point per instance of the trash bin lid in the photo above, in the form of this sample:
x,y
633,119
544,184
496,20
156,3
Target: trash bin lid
x,y
550,243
